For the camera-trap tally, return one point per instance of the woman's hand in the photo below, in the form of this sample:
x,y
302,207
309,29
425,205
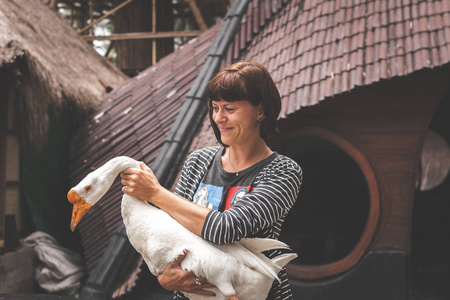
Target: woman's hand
x,y
175,278
140,183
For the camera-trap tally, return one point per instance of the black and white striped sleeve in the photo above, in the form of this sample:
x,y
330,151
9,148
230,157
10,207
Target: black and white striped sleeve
x,y
193,170
268,203
183,183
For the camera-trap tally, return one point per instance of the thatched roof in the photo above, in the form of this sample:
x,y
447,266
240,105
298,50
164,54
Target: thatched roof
x,y
50,65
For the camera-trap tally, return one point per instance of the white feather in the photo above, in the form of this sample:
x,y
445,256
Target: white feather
x,y
261,245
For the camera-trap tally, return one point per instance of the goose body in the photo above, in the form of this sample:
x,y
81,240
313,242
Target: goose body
x,y
235,269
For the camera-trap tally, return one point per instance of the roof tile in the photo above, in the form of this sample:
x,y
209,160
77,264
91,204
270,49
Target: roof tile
x,y
314,93
444,55
329,86
434,55
383,15
262,18
415,11
384,71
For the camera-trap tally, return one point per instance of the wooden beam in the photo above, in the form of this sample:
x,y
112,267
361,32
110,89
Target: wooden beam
x,y
105,16
197,15
142,35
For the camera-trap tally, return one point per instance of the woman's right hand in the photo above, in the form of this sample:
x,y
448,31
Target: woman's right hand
x,y
175,278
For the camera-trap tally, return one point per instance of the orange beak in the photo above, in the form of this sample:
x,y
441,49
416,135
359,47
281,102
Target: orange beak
x,y
80,208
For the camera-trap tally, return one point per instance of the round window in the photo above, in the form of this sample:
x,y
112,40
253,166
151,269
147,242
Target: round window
x,y
336,214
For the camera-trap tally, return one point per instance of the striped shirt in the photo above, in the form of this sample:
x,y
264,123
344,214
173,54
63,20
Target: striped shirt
x,y
260,213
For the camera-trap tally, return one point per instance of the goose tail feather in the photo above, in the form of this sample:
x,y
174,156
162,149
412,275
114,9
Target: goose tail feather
x,y
284,259
262,244
274,265
255,260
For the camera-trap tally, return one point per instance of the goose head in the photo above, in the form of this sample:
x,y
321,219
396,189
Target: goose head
x,y
94,186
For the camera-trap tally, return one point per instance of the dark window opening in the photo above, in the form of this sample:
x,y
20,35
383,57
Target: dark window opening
x,y
331,213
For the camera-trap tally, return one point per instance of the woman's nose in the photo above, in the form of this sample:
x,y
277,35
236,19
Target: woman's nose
x,y
218,116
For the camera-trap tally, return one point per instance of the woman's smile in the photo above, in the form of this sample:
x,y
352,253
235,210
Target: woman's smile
x,y
225,129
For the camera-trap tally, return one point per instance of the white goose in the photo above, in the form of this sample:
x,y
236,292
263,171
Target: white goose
x,y
237,269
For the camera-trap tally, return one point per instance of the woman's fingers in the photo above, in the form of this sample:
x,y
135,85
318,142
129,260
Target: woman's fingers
x,y
177,261
207,285
204,282
199,286
202,292
144,167
139,182
185,281
129,172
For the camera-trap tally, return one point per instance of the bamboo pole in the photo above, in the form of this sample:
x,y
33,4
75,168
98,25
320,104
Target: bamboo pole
x,y
104,16
197,15
141,35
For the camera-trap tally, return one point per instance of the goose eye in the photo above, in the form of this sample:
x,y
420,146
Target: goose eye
x,y
87,188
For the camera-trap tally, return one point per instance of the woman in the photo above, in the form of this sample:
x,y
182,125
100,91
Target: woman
x,y
236,190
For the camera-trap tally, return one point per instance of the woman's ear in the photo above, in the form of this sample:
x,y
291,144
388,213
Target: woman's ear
x,y
260,113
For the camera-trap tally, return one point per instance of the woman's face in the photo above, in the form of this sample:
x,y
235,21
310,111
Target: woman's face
x,y
237,121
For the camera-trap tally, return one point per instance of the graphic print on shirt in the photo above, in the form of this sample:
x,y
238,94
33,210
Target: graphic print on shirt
x,y
234,194
208,195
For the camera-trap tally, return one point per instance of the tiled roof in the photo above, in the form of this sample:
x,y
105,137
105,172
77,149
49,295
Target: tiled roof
x,y
317,49
133,120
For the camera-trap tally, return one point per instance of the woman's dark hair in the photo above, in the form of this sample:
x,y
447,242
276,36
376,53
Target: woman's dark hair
x,y
249,81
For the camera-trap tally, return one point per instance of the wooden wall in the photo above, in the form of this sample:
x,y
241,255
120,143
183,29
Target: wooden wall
x,y
387,123
134,56
9,158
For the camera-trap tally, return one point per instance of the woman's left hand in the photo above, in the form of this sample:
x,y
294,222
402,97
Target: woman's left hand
x,y
140,183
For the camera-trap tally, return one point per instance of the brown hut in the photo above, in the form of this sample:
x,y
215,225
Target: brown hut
x,y
362,85
50,79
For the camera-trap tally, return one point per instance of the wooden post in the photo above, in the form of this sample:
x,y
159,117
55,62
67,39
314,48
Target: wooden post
x,y
197,15
3,136
154,31
53,4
